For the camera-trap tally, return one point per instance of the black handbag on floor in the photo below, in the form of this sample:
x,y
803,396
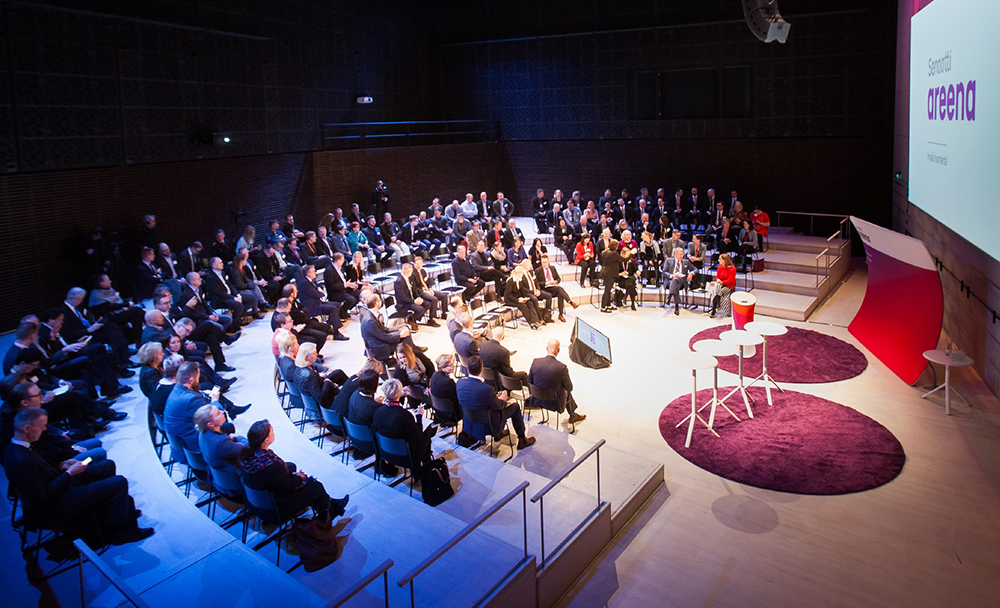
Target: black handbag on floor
x,y
436,484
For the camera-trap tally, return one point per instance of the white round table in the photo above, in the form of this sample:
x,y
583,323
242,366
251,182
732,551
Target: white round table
x,y
949,360
715,348
766,329
694,362
741,338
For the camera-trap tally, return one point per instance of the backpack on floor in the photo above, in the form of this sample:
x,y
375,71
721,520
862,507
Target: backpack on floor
x,y
436,484
758,265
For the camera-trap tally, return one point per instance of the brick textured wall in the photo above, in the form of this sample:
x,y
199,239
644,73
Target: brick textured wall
x,y
46,214
966,321
826,175
414,176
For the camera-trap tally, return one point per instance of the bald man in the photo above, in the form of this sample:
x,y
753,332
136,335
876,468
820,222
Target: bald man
x,y
549,372
496,357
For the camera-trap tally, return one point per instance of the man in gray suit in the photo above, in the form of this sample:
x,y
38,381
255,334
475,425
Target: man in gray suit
x,y
381,341
549,372
677,273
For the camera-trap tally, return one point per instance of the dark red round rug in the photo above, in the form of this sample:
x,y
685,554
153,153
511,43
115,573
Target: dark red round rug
x,y
801,356
802,444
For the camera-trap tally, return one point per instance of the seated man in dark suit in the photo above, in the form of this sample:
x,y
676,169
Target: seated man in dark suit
x,y
393,421
312,301
62,496
466,341
549,372
194,305
442,386
207,332
222,294
189,260
338,287
407,300
677,273
547,278
465,275
475,394
104,301
78,322
496,357
434,299
146,276
362,410
380,341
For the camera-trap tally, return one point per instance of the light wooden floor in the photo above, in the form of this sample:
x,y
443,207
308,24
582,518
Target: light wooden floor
x,y
931,537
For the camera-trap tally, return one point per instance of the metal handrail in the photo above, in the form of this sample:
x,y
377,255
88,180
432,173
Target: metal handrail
x,y
811,215
594,449
407,579
381,570
84,551
825,252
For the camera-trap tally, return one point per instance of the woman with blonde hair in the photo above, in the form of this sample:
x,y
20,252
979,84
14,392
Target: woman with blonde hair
x,y
322,386
720,290
247,240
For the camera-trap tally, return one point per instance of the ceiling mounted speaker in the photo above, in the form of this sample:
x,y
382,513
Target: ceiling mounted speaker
x,y
765,21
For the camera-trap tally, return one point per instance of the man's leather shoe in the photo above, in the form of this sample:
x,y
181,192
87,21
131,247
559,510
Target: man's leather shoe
x,y
422,349
232,338
222,368
524,442
504,434
236,410
574,304
340,337
124,372
562,318
577,418
432,323
132,536
227,382
114,415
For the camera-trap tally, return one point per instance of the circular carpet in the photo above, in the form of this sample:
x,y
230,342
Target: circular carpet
x,y
801,356
802,444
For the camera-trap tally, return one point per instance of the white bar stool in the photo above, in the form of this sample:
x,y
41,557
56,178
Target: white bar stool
x,y
741,338
766,329
716,348
695,361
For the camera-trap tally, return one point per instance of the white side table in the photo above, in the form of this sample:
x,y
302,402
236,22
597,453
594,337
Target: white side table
x,y
695,362
948,360
741,338
766,329
716,348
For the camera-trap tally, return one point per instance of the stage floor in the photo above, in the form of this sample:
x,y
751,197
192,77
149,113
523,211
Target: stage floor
x,y
928,538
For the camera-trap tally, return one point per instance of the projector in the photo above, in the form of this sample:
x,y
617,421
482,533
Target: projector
x,y
365,99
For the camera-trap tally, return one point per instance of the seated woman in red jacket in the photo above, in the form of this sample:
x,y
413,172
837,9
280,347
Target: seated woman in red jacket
x,y
585,259
723,286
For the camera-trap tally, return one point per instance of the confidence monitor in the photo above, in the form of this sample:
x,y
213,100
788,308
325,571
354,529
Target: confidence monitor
x,y
589,347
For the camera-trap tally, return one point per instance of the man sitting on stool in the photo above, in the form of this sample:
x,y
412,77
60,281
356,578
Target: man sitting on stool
x,y
677,273
475,394
549,372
